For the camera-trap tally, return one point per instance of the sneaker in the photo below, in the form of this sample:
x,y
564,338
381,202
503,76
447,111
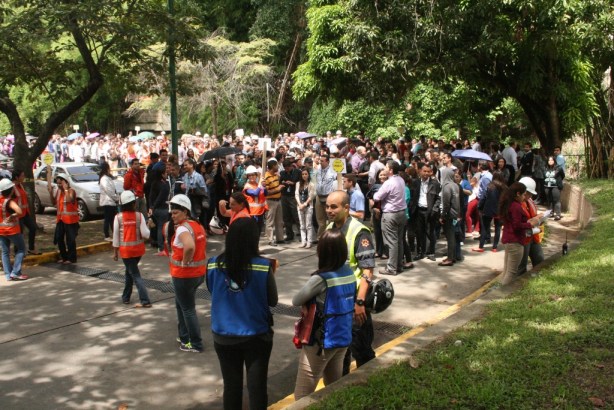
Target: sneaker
x,y
20,277
187,347
108,239
480,250
161,253
494,250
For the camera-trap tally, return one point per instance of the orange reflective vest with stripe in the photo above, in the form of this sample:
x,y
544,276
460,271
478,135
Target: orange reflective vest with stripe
x,y
530,210
68,212
7,227
131,243
243,213
198,265
22,199
257,204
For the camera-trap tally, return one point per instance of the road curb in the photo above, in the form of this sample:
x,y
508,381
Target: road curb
x,y
49,257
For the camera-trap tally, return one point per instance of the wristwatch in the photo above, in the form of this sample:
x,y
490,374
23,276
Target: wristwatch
x,y
360,302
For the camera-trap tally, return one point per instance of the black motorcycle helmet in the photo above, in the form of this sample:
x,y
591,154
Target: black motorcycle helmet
x,y
380,296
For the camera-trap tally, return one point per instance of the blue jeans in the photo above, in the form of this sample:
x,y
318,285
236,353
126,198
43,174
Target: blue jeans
x,y
185,302
161,217
133,276
20,251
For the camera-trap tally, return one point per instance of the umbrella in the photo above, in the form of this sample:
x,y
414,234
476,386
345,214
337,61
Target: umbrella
x,y
219,152
92,135
135,138
336,141
303,135
146,135
74,136
471,154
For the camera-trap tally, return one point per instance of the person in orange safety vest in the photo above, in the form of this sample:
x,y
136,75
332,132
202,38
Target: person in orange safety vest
x,y
256,196
10,232
186,242
129,234
67,219
26,219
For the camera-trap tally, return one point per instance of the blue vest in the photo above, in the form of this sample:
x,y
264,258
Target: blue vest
x,y
239,312
338,307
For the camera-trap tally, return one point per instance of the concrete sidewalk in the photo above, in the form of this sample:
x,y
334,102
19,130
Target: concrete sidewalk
x,y
68,341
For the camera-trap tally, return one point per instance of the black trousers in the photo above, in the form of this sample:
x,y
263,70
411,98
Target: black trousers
x,y
289,213
28,222
66,235
425,229
360,349
254,354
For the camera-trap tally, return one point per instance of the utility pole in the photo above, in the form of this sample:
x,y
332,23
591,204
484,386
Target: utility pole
x,y
172,79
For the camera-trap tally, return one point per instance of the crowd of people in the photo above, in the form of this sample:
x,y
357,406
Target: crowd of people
x,y
393,202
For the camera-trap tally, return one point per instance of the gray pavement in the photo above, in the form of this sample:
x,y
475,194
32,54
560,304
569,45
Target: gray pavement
x,y
67,341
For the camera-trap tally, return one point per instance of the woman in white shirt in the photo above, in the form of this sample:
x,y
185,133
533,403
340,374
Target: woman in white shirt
x,y
304,193
108,199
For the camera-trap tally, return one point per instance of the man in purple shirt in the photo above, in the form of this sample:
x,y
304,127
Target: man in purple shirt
x,y
392,197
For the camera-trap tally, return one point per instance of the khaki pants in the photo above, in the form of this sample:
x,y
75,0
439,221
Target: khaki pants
x,y
321,215
274,221
311,367
513,256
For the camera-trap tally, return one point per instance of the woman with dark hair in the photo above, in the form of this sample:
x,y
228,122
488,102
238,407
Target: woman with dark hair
x,y
501,166
304,194
108,198
236,207
10,232
67,219
242,287
25,220
489,206
332,288
553,182
223,183
515,226
187,246
129,233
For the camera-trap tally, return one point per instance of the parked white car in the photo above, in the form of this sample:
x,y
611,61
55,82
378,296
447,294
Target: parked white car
x,y
83,179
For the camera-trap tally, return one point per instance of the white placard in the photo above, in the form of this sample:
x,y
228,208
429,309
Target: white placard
x,y
239,132
265,144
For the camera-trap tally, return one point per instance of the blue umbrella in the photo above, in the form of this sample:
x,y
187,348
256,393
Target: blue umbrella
x,y
74,136
471,154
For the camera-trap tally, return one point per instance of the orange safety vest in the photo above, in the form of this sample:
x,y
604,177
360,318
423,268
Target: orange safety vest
x,y
530,210
7,228
68,212
131,243
22,199
198,266
243,213
257,205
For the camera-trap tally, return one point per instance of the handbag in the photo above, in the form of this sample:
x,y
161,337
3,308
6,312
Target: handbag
x,y
203,194
303,326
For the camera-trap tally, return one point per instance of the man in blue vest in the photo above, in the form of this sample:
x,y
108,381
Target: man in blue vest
x,y
361,259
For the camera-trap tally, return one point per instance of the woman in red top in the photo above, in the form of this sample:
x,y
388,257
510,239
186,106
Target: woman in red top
x,y
515,226
236,207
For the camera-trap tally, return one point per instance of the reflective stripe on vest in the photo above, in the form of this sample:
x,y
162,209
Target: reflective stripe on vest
x,y
350,239
68,212
198,265
22,198
7,228
338,308
139,239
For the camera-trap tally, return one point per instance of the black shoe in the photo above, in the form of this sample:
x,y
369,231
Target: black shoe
x,y
419,257
431,257
388,272
407,266
272,243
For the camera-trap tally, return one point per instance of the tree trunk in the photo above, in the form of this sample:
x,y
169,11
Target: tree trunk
x,y
214,116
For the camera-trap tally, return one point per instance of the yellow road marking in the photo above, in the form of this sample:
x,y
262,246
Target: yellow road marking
x,y
288,400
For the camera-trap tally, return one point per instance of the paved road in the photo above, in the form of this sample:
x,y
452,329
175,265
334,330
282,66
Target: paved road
x,y
67,341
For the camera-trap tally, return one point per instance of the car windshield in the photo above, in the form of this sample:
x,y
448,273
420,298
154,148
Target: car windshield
x,y
84,173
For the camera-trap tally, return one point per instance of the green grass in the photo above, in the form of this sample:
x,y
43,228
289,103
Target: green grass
x,y
549,345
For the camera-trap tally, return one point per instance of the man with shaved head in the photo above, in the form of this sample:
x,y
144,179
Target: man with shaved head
x,y
361,259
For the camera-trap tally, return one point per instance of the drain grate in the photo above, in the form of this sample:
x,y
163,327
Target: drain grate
x,y
393,329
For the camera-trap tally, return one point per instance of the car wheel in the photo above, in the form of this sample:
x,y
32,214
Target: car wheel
x,y
38,205
84,214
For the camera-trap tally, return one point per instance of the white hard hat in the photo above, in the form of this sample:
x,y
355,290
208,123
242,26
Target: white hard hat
x,y
529,183
182,200
6,184
126,197
251,170
62,176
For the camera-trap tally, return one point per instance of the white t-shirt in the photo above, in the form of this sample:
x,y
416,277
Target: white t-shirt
x,y
178,233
